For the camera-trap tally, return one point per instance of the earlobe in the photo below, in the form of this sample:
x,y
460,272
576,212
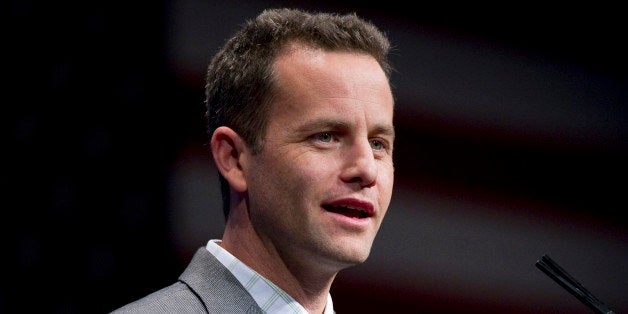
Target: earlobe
x,y
227,148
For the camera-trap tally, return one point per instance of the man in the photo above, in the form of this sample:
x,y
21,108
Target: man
x,y
300,115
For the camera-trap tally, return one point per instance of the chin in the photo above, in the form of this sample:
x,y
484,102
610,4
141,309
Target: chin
x,y
351,257
345,252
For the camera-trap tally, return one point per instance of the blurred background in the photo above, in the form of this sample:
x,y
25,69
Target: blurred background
x,y
512,143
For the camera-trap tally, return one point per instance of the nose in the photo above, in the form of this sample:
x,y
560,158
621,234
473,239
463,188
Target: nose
x,y
360,164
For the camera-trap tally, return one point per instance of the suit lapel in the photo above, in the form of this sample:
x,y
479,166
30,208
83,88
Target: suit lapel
x,y
217,288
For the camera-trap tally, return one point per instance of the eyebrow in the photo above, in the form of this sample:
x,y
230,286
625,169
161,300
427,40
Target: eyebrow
x,y
338,125
388,130
322,124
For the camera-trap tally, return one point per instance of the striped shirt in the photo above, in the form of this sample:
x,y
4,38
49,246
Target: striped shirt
x,y
270,298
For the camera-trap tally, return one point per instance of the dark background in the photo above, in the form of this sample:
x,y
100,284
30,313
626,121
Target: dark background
x,y
505,114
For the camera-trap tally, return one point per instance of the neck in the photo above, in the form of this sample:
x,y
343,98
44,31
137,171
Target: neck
x,y
305,282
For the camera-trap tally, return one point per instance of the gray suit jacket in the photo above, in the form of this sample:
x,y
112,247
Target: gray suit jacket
x,y
205,286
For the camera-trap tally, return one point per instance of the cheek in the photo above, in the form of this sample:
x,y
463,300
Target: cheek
x,y
307,167
386,182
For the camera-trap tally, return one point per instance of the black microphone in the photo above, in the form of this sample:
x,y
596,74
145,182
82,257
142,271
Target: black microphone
x,y
554,271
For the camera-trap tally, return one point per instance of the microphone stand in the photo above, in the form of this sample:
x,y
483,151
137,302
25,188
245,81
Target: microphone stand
x,y
559,275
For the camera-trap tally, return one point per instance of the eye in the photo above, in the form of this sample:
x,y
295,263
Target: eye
x,y
377,144
325,137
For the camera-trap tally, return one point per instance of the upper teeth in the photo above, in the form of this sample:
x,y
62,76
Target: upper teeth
x,y
350,207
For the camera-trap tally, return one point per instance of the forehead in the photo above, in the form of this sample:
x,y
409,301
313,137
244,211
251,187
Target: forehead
x,y
315,82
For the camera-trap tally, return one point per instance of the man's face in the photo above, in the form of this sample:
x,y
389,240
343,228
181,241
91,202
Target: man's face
x,y
321,186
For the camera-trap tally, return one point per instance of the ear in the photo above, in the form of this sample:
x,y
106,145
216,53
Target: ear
x,y
227,149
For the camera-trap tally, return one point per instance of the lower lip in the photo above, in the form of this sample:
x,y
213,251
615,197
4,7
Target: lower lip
x,y
350,222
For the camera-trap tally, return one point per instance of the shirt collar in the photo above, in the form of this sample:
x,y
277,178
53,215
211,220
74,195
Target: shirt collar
x,y
268,296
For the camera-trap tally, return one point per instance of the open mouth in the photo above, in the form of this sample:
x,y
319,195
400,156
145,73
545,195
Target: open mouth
x,y
348,211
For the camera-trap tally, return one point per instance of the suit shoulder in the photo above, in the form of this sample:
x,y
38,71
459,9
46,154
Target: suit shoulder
x,y
176,298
